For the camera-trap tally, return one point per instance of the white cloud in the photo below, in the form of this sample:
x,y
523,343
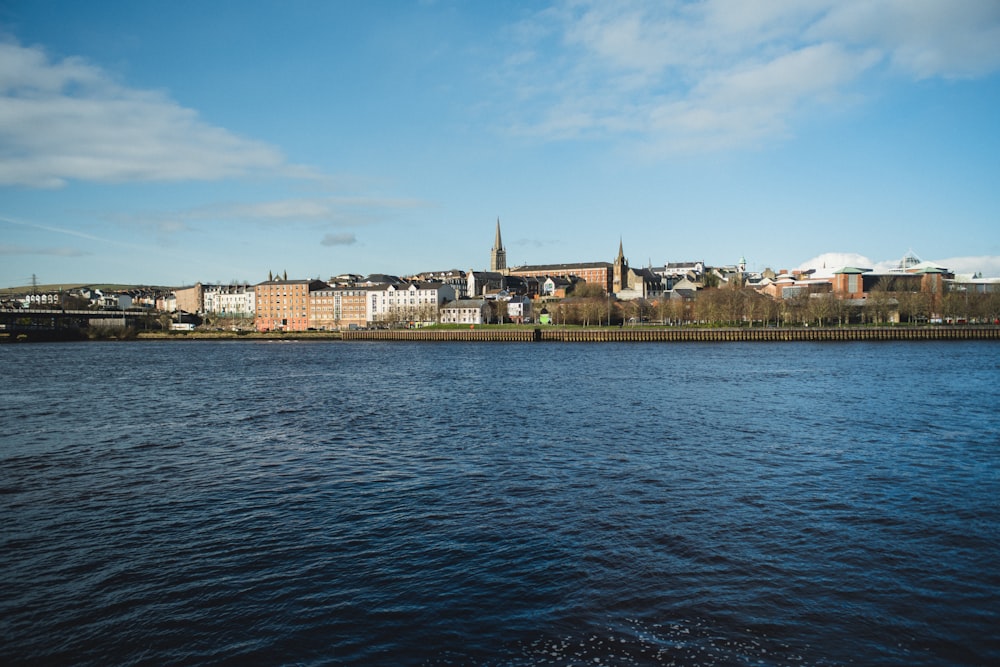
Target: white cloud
x,y
69,120
987,265
683,76
827,263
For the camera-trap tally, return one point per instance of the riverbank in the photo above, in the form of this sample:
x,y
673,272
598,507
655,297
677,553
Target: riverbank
x,y
563,334
681,334
613,334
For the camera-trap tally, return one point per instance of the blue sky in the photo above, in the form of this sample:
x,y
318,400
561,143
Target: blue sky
x,y
173,142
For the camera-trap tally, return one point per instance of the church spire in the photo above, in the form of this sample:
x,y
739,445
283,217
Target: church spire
x,y
498,256
619,271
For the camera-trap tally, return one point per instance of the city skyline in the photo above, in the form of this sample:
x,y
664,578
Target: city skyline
x,y
143,146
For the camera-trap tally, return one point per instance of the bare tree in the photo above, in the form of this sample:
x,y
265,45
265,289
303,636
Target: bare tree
x,y
795,308
821,307
498,309
878,305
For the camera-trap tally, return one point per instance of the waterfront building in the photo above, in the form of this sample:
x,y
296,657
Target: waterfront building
x,y
283,305
324,314
229,300
338,308
519,309
465,311
852,282
407,302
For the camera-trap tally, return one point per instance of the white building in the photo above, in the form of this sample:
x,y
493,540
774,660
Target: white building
x,y
519,309
50,299
680,269
407,302
465,311
230,300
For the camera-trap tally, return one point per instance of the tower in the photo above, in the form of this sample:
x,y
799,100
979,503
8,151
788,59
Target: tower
x,y
619,271
498,256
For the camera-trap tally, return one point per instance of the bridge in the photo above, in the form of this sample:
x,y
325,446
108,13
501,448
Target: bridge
x,y
33,322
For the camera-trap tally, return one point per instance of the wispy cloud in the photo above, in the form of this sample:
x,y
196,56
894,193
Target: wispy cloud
x,y
336,211
345,238
921,38
345,211
58,251
680,77
69,120
55,230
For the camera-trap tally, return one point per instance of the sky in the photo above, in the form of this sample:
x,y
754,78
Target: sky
x,y
171,142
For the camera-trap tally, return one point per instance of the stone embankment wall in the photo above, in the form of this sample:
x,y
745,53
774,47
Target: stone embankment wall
x,y
498,335
680,334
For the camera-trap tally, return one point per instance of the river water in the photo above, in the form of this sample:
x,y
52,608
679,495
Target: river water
x,y
500,504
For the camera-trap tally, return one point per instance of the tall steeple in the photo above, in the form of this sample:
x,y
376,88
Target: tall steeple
x,y
498,256
619,271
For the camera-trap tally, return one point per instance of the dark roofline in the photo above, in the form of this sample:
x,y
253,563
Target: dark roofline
x,y
542,269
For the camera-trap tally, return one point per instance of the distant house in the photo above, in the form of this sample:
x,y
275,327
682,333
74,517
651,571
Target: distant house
x,y
479,283
453,277
519,309
681,269
556,286
465,311
43,299
685,285
380,279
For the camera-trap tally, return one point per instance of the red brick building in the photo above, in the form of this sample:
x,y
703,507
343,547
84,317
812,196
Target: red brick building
x,y
284,305
595,273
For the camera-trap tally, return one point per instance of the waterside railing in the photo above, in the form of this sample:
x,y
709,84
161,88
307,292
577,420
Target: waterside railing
x,y
679,334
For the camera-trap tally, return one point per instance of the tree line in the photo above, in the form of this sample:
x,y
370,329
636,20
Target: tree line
x,y
733,305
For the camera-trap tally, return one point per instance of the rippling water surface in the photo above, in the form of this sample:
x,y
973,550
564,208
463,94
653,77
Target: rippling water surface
x,y
500,504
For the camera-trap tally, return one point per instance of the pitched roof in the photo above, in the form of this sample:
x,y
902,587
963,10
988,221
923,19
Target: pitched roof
x,y
465,303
